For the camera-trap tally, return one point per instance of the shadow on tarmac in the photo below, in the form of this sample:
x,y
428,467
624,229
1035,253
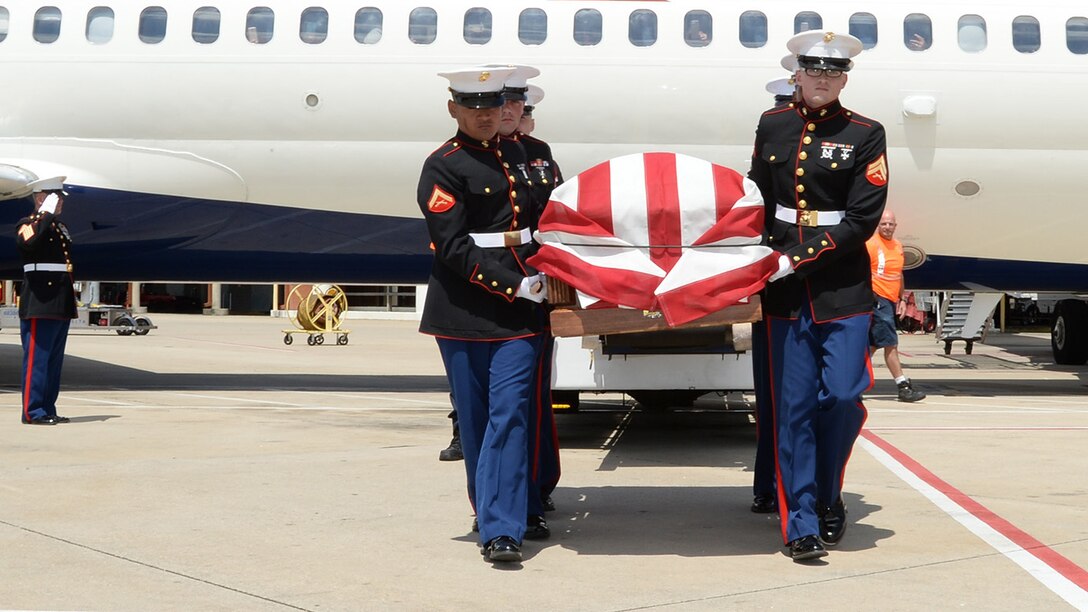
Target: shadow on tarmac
x,y
88,374
680,520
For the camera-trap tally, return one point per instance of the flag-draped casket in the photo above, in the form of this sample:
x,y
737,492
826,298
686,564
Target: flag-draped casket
x,y
657,232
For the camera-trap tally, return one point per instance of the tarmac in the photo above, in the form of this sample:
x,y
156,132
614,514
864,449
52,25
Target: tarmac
x,y
208,466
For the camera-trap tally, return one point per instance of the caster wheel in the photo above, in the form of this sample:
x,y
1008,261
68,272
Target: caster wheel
x,y
342,340
287,339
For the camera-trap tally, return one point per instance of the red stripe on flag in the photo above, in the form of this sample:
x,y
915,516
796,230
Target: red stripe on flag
x,y
614,285
558,218
728,188
745,222
713,293
595,195
663,208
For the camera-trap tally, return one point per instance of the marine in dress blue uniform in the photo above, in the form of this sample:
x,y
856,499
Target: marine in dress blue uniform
x,y
764,488
47,302
484,302
544,176
822,170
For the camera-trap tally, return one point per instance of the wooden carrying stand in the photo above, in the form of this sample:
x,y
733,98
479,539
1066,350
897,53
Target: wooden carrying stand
x,y
569,320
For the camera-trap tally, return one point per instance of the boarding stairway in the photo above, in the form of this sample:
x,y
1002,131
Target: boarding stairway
x,y
966,316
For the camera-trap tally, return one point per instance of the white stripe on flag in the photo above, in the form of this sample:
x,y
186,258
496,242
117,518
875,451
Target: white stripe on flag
x,y
567,194
696,265
629,258
628,183
695,187
752,196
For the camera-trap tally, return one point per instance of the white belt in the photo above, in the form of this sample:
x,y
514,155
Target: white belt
x,y
493,240
809,218
45,267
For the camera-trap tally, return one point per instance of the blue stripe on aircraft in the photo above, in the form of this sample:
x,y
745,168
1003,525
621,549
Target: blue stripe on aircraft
x,y
119,236
123,236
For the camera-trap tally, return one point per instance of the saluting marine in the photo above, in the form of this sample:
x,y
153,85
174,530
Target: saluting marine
x,y
47,301
823,171
483,301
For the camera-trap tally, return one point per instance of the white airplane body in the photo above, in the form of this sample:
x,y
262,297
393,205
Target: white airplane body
x,y
287,160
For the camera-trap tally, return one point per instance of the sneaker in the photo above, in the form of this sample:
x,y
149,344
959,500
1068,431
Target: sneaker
x,y
907,392
453,451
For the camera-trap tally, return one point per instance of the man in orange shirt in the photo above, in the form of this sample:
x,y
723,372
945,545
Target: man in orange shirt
x,y
886,257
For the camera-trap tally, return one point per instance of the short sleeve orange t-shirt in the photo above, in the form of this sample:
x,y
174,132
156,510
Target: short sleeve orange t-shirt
x,y
886,259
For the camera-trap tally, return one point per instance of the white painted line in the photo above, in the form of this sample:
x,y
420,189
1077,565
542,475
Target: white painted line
x,y
1055,572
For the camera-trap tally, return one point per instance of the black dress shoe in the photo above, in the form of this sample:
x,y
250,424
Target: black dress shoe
x,y
549,505
61,419
536,528
832,522
476,525
453,451
45,420
807,548
503,549
764,504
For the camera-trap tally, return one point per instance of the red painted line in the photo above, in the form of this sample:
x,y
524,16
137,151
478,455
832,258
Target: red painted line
x,y
1071,571
923,428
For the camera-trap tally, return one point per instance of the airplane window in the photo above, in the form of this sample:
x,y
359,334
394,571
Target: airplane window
x,y
1076,35
422,26
533,27
642,28
1026,37
4,16
699,28
863,26
100,25
47,24
153,25
587,27
972,33
260,24
368,25
807,20
477,26
313,28
753,29
206,25
917,32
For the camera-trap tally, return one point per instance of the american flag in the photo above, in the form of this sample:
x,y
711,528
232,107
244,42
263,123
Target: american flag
x,y
657,231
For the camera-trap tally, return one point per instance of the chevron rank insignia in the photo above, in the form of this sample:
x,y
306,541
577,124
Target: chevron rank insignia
x,y
877,172
440,201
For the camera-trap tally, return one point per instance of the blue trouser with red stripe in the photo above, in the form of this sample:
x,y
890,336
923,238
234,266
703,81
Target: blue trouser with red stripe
x,y
543,439
492,386
763,482
818,373
43,357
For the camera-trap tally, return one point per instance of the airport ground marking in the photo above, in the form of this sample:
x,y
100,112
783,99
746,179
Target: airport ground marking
x,y
1065,578
151,566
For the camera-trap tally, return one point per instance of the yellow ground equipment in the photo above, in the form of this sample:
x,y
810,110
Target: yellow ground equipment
x,y
318,310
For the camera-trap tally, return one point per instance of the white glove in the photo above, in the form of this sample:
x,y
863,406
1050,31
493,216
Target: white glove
x,y
533,288
49,205
785,268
